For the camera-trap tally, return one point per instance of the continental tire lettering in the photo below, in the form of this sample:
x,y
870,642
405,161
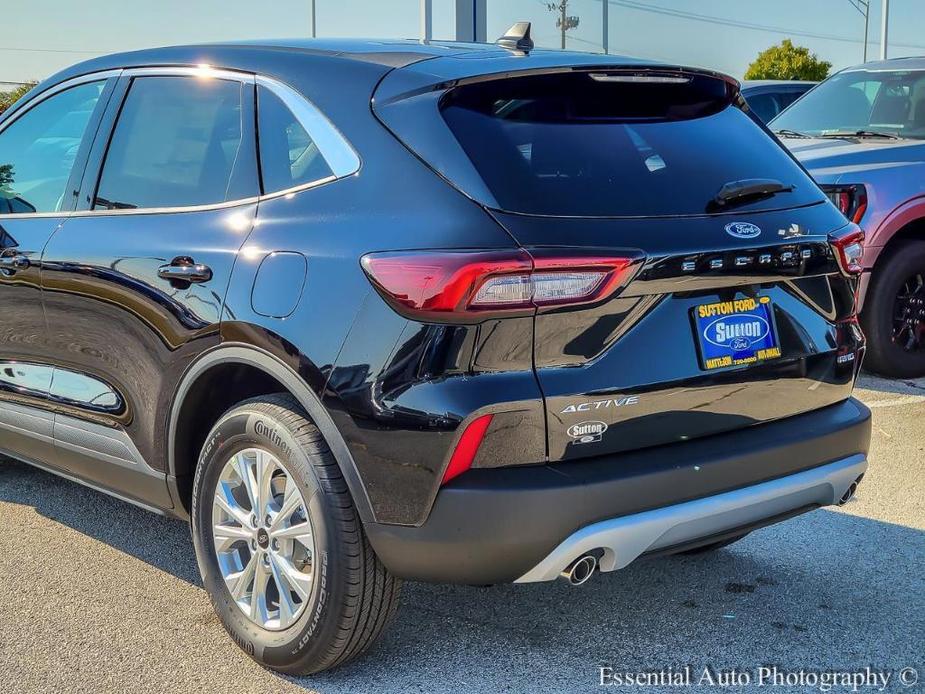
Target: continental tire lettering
x,y
261,428
243,644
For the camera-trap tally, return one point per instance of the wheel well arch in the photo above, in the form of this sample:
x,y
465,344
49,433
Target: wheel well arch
x,y
904,223
914,229
217,381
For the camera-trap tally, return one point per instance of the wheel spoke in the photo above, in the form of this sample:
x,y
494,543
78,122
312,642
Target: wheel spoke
x,y
292,501
300,531
238,582
300,582
225,501
259,612
246,473
265,469
283,586
229,534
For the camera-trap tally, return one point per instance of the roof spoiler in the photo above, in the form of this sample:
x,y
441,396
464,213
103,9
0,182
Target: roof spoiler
x,y
517,38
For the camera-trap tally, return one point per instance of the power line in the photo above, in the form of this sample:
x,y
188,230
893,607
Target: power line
x,y
48,50
712,19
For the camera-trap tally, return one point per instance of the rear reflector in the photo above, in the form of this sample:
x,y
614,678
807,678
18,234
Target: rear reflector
x,y
474,282
466,448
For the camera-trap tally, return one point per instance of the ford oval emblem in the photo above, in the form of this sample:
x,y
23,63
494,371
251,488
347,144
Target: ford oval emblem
x,y
742,230
737,332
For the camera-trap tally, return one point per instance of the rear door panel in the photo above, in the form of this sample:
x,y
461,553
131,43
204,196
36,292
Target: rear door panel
x,y
113,319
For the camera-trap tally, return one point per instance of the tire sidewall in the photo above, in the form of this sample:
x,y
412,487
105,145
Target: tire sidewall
x,y
316,627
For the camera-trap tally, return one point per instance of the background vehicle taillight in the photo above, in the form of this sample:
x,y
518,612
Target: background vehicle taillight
x,y
849,249
851,200
461,284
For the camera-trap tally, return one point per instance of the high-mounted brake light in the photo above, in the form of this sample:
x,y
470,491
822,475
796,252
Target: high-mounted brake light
x,y
471,283
849,249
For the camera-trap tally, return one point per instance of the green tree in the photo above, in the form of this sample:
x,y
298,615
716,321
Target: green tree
x,y
6,176
7,99
788,62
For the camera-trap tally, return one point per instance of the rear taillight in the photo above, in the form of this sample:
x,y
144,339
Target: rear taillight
x,y
849,249
851,200
472,284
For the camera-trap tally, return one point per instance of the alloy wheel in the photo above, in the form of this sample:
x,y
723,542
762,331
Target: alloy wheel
x,y
263,539
909,314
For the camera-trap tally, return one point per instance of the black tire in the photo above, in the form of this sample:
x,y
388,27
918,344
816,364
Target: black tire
x,y
713,546
352,598
885,356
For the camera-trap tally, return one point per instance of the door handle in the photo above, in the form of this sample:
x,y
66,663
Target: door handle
x,y
11,263
185,269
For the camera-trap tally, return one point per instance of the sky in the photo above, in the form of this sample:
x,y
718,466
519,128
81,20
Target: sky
x,y
38,37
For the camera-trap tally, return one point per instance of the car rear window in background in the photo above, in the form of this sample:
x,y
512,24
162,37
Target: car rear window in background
x,y
179,142
288,155
765,106
586,144
881,101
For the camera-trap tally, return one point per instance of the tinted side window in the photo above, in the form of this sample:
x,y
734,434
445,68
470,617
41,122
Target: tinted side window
x,y
179,142
288,155
38,150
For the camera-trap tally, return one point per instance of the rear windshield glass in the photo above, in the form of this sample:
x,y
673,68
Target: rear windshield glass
x,y
612,145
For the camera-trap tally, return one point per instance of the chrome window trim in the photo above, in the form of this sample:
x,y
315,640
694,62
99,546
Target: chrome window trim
x,y
57,89
199,71
334,147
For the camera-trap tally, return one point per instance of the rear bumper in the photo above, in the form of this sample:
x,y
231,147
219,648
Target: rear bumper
x,y
527,523
624,539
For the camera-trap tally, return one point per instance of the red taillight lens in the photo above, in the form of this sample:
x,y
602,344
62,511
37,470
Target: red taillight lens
x,y
467,447
470,283
851,200
849,248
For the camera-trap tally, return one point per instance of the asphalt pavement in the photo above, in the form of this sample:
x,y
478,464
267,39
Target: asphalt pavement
x,y
98,596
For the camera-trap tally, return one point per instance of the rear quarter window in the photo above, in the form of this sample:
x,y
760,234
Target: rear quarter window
x,y
581,144
289,156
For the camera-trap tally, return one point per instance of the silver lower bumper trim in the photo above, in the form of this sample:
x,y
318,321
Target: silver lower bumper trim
x,y
625,539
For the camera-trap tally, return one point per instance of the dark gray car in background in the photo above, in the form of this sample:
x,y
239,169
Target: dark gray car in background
x,y
767,98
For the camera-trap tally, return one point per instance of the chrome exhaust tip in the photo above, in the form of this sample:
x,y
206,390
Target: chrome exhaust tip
x,y
580,570
848,495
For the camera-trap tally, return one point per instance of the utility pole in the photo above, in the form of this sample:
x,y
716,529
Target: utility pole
x,y
427,20
884,26
863,6
866,26
605,22
564,22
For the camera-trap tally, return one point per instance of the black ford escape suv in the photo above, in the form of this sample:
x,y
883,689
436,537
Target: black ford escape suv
x,y
372,311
